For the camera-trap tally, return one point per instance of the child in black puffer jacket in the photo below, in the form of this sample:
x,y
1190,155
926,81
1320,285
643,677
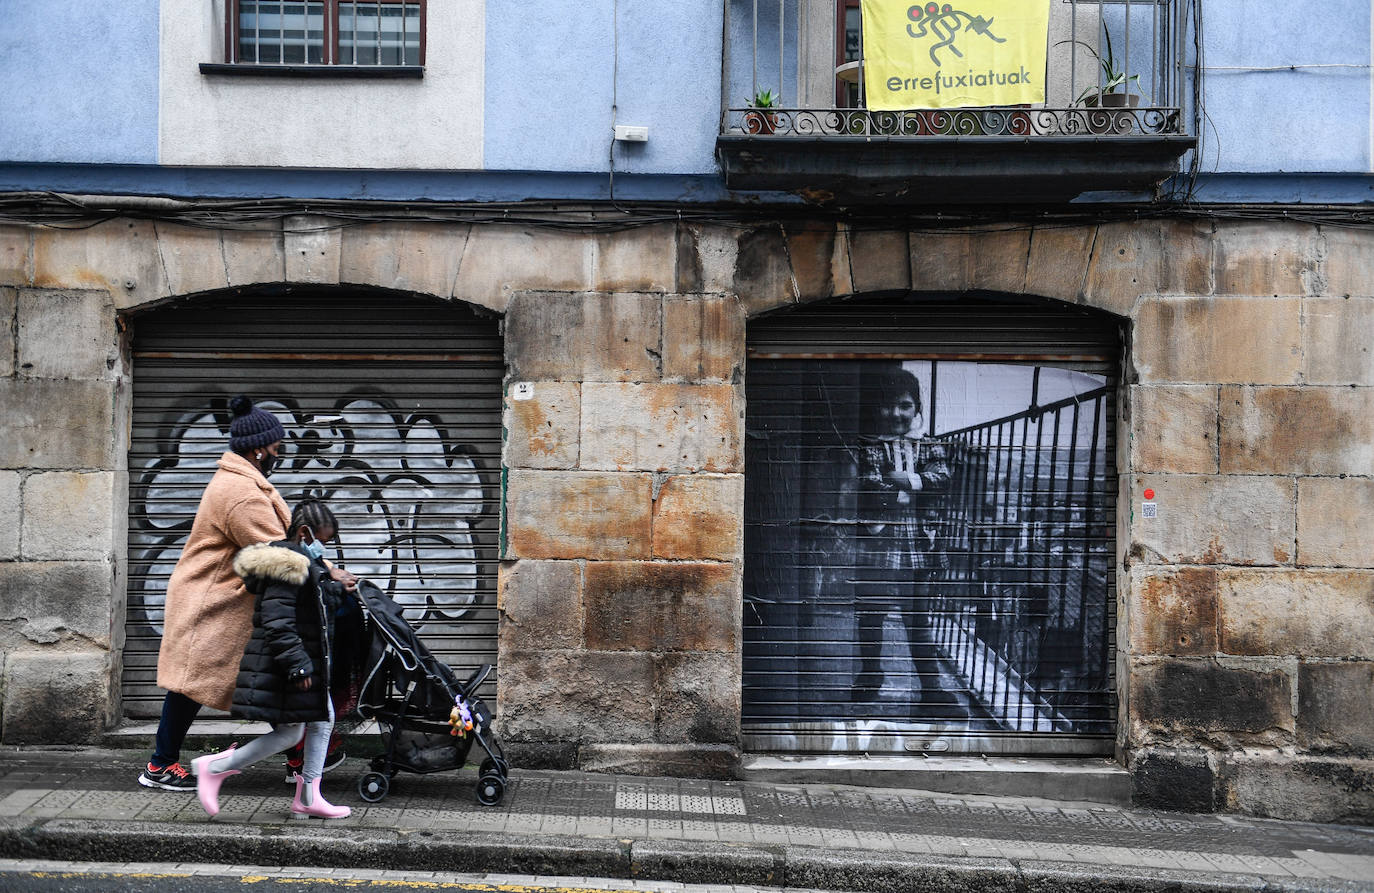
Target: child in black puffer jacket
x,y
284,677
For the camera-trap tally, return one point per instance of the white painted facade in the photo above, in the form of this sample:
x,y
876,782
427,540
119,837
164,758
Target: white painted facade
x,y
432,123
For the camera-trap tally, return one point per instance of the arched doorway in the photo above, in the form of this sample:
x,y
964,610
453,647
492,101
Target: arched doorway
x,y
392,408
930,517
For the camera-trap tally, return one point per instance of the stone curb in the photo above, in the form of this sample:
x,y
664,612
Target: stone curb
x,y
639,859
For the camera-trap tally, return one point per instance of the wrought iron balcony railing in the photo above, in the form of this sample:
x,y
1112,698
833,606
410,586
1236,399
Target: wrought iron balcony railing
x,y
1115,68
1119,83
1093,121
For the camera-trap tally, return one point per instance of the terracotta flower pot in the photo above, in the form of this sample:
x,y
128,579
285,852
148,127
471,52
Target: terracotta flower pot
x,y
760,122
1111,122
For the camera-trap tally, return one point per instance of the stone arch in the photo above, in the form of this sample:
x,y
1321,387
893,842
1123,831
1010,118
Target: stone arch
x,y
391,409
1107,266
980,506
146,264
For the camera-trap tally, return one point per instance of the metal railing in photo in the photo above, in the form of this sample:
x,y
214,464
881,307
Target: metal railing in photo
x,y
1024,612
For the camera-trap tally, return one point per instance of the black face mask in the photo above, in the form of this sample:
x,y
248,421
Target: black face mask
x,y
267,463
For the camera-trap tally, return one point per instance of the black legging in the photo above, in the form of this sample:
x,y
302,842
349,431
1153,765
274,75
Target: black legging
x,y
874,600
178,712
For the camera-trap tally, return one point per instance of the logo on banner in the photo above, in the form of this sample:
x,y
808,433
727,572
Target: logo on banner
x,y
946,22
955,54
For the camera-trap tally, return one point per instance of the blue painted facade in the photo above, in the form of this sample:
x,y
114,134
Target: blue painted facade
x,y
556,80
79,81
1287,110
1287,93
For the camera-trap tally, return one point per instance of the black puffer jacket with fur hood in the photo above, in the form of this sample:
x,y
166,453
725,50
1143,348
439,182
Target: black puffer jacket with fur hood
x,y
293,631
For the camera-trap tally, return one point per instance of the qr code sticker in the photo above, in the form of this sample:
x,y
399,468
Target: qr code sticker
x,y
1149,510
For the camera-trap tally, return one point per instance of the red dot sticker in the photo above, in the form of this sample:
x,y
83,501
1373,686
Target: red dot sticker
x,y
1149,494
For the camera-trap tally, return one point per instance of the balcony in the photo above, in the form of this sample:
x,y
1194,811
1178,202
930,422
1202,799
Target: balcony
x,y
1117,115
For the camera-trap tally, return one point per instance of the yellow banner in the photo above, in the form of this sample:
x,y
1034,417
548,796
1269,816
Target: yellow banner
x,y
940,55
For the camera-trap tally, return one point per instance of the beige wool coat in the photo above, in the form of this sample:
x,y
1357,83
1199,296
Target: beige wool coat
x,y
209,615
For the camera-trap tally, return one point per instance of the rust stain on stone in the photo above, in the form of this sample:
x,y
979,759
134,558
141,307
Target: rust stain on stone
x,y
578,515
1178,613
71,277
660,606
536,421
695,519
1303,422
1302,429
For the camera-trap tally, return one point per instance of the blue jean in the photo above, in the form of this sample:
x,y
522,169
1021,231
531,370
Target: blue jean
x,y
178,712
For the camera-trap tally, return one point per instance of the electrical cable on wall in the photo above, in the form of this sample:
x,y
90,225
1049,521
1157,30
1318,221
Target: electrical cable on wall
x,y
615,93
64,211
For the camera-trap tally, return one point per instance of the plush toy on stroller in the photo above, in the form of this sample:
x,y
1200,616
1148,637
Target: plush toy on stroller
x,y
427,718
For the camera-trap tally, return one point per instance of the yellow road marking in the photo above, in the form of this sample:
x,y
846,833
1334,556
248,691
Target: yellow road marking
x,y
473,887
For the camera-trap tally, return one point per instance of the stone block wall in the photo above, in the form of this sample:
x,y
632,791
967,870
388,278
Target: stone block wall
x,y
1246,607
620,596
1250,609
63,494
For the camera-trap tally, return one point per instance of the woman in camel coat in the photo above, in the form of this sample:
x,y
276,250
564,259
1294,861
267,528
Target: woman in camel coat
x,y
209,614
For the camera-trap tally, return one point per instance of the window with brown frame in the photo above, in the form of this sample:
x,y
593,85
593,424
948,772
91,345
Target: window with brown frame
x,y
364,33
847,49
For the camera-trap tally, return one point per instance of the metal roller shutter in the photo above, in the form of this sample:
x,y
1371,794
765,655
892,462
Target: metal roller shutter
x,y
946,585
392,408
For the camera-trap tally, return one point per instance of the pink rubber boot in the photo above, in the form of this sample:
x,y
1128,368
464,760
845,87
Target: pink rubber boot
x,y
318,807
208,782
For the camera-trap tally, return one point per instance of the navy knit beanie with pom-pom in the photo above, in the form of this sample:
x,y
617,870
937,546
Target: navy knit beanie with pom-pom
x,y
252,427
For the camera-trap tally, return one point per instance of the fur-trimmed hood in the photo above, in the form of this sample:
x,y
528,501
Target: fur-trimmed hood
x,y
270,561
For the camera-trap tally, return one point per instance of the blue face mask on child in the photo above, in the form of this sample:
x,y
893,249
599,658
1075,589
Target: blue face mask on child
x,y
315,548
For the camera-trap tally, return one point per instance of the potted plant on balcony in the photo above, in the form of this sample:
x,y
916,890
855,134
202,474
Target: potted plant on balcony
x,y
765,120
1115,91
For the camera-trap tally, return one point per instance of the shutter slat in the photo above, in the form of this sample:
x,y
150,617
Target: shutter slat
x,y
393,414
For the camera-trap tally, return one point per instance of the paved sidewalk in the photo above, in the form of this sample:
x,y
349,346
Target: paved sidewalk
x,y
85,804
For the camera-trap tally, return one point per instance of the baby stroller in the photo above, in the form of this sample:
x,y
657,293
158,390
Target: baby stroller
x,y
428,719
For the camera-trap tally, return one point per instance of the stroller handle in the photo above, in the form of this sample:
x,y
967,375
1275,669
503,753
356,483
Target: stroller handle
x,y
478,676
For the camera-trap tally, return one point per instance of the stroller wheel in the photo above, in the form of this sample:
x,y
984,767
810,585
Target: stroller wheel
x,y
373,786
490,788
489,766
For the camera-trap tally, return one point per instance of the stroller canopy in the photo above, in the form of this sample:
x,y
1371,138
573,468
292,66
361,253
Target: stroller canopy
x,y
400,669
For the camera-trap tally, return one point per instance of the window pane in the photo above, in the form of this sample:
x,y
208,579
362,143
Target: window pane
x,y
851,34
374,33
412,48
346,25
289,31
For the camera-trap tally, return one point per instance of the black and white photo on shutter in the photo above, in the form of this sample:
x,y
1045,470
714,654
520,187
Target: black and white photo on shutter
x,y
927,548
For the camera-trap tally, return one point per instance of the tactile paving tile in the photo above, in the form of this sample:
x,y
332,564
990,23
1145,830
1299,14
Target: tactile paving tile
x,y
728,806
697,803
661,801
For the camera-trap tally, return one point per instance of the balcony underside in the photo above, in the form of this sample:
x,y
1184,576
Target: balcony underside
x,y
960,169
